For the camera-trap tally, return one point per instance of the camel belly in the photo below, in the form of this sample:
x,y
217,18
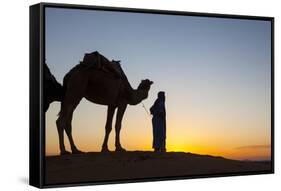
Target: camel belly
x,y
105,92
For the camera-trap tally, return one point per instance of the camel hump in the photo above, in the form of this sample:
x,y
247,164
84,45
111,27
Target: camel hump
x,y
97,61
93,58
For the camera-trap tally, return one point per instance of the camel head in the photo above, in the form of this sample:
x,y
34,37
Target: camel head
x,y
53,91
145,85
53,88
144,88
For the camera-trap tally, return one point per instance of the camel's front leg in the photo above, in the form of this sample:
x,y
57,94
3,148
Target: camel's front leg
x,y
118,125
108,127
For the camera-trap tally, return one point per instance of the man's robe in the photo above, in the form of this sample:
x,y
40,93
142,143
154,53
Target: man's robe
x,y
159,124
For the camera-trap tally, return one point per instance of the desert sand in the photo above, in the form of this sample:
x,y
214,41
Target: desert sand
x,y
96,166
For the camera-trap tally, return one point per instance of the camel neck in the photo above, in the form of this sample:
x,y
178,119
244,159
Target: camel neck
x,y
137,96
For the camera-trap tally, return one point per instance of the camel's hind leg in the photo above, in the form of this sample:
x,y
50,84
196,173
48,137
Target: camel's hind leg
x,y
60,128
73,96
64,123
68,130
108,127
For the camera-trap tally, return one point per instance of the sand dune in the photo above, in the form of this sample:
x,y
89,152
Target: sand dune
x,y
95,167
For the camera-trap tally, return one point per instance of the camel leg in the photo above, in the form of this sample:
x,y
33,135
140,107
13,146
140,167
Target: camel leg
x,y
108,127
118,125
60,128
64,123
72,98
68,130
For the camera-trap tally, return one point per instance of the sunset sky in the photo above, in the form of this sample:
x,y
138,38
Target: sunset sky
x,y
215,72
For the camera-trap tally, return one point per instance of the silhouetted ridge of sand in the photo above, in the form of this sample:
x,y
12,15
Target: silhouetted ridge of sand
x,y
96,166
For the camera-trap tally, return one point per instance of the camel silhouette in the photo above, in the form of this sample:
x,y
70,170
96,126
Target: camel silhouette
x,y
53,90
102,82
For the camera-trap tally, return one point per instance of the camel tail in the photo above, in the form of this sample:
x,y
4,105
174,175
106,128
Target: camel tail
x,y
59,113
63,90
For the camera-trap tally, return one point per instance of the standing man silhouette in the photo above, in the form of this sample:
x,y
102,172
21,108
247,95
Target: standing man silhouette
x,y
159,123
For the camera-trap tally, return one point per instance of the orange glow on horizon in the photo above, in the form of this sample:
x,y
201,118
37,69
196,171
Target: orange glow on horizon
x,y
184,134
173,144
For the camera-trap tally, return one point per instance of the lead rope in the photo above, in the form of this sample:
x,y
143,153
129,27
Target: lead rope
x,y
149,116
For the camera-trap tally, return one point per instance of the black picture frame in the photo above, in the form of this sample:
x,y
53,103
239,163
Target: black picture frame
x,y
37,120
